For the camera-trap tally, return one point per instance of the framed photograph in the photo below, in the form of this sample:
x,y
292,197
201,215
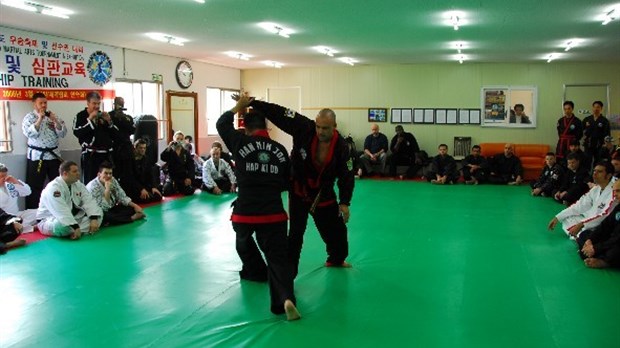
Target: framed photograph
x,y
441,116
401,115
424,115
468,116
451,116
509,106
377,115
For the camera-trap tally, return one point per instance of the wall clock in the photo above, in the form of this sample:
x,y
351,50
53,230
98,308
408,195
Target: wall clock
x,y
184,74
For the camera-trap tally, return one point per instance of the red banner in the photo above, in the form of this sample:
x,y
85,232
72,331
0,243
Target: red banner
x,y
52,94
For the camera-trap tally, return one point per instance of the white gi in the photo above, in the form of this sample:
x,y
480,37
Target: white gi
x,y
591,209
117,194
57,202
210,173
9,193
46,137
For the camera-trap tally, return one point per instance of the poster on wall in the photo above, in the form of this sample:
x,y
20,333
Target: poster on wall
x,y
62,69
509,106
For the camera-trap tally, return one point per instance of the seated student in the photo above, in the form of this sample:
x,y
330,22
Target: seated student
x,y
116,206
615,161
585,160
404,146
10,191
181,169
549,179
226,156
574,183
475,167
599,247
608,150
217,176
590,210
506,168
10,229
375,151
67,209
141,186
443,168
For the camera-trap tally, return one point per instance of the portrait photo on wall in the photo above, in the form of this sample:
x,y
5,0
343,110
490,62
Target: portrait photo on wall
x,y
377,115
509,106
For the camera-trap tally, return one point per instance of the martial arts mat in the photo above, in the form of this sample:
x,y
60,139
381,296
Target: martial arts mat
x,y
433,266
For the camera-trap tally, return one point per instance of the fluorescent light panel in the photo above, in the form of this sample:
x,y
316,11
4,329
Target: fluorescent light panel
x,y
167,38
30,6
611,15
348,60
273,64
277,29
238,55
325,50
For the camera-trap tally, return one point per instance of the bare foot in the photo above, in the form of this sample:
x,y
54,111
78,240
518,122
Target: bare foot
x,y
16,243
344,264
291,311
137,216
595,263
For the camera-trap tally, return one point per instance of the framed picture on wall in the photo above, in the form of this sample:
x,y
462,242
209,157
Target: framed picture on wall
x,y
400,115
509,106
377,115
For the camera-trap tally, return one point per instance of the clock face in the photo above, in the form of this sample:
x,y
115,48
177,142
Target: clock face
x,y
184,74
99,68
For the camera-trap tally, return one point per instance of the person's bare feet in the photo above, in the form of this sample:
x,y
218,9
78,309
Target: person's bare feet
x,y
16,243
291,311
595,263
344,264
137,216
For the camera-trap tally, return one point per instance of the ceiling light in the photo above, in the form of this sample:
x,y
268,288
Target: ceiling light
x,y
570,44
461,58
200,1
173,40
30,6
551,57
348,60
325,50
276,29
610,16
273,64
454,20
238,55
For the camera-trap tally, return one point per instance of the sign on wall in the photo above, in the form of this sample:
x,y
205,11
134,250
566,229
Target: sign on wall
x,y
62,69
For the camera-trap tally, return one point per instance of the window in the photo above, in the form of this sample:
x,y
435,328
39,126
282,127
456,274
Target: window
x,y
218,101
5,128
143,98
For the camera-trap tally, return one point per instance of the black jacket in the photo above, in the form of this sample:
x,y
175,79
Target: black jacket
x,y
308,180
262,170
94,135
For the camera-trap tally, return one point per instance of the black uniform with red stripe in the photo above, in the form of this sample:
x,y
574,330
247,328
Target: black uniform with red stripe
x,y
262,169
313,187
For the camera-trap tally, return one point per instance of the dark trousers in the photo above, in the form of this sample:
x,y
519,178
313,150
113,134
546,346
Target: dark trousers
x,y
272,241
501,179
172,187
223,183
118,215
8,233
611,254
479,174
450,177
399,159
134,194
328,222
90,164
35,177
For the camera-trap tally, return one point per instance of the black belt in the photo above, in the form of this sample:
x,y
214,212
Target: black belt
x,y
45,150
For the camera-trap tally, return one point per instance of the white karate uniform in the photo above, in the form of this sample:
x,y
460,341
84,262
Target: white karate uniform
x,y
591,209
210,173
55,208
9,194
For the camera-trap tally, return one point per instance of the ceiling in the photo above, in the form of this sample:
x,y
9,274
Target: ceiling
x,y
371,31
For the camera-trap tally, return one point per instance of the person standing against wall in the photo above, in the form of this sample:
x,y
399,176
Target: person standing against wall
x,y
569,128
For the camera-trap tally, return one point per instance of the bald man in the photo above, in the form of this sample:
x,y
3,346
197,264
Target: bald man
x,y
375,151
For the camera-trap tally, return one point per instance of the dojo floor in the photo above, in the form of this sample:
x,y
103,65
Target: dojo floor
x,y
434,266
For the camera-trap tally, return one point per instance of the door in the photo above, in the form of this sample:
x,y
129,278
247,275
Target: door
x,y
289,97
182,110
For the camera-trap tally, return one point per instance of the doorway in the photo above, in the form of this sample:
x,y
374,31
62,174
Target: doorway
x,y
182,111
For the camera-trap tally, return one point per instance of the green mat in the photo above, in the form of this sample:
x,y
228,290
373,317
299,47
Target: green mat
x,y
433,266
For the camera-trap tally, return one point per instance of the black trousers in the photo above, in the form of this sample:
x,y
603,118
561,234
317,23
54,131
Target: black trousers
x,y
611,253
172,187
223,183
272,241
134,194
8,233
479,174
399,159
118,215
90,164
36,179
328,222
